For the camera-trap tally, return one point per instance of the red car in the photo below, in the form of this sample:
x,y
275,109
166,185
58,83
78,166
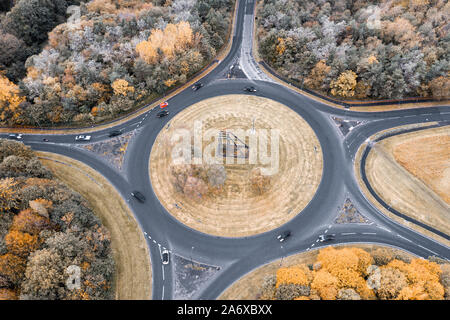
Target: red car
x,y
163,104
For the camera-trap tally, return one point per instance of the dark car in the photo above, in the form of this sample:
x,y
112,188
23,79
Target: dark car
x,y
283,236
165,256
326,237
115,133
197,86
250,89
139,196
162,113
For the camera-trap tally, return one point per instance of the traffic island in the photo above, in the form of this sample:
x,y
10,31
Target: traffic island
x,y
406,169
236,165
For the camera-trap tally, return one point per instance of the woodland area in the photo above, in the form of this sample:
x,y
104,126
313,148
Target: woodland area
x,y
45,228
102,57
359,49
354,274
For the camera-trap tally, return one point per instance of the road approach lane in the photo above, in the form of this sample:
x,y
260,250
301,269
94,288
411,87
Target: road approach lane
x,y
238,256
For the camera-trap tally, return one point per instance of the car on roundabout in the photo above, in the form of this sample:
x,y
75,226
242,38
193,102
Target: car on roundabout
x,y
197,86
139,196
326,237
250,89
284,235
165,256
82,137
162,113
114,133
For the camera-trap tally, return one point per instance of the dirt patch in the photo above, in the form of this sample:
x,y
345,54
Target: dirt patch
x,y
249,286
133,278
237,209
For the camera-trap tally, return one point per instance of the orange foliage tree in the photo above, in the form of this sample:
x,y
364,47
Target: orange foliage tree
x,y
9,99
21,243
174,38
7,191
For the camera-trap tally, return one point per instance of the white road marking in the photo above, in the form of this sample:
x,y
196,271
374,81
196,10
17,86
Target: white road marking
x,y
347,233
403,238
385,229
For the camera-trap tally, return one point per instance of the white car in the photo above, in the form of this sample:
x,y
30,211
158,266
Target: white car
x,y
17,136
165,256
82,138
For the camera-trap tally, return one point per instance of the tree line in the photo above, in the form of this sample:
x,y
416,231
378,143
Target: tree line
x,y
105,58
384,49
353,273
45,229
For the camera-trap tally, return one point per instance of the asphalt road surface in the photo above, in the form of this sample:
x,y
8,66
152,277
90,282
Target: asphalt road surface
x,y
238,256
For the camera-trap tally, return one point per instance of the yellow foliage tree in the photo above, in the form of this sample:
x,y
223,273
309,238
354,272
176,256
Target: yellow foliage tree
x,y
281,46
300,275
325,284
345,85
122,87
174,38
423,278
7,192
9,99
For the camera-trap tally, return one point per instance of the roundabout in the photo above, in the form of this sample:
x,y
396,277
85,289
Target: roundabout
x,y
267,165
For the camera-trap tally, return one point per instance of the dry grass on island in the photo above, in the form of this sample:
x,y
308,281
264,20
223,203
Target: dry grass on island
x,y
235,200
410,172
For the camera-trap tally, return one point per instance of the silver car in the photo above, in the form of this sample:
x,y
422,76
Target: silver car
x,y
82,138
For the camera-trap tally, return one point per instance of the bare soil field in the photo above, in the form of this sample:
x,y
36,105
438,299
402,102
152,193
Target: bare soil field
x,y
133,278
411,173
249,286
236,210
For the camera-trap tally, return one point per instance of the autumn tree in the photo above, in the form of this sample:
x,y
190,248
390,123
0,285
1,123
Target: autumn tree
x,y
315,80
8,294
10,99
7,194
12,267
345,85
440,88
29,222
174,38
122,87
21,243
